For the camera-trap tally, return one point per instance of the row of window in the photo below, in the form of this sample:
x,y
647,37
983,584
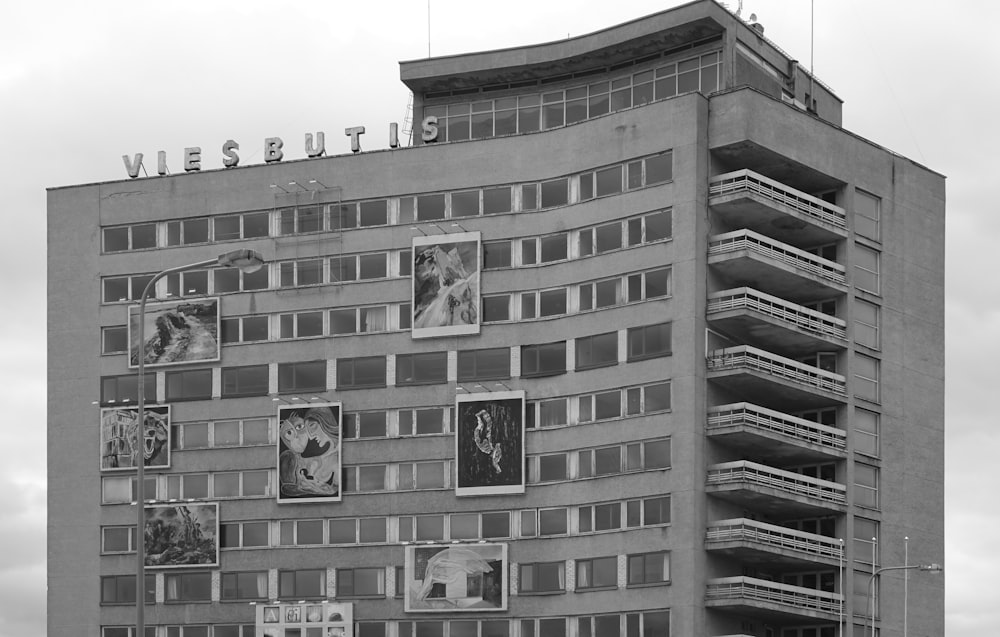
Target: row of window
x,y
631,175
370,582
551,109
654,623
545,359
622,458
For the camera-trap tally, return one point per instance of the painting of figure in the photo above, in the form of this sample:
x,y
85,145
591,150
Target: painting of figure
x,y
452,577
182,535
489,443
309,458
445,297
176,332
120,432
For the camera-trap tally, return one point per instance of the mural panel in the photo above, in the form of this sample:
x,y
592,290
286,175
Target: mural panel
x,y
176,332
309,458
119,436
182,535
305,619
456,577
445,298
489,443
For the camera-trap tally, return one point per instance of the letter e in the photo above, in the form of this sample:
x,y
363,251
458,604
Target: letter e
x,y
192,158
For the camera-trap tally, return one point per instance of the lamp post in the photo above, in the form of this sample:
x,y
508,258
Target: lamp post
x,y
870,615
247,261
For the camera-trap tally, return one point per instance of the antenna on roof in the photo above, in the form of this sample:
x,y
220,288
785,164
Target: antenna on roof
x,y
428,28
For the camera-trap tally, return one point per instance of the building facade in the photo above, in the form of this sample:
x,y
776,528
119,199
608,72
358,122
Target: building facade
x,y
632,340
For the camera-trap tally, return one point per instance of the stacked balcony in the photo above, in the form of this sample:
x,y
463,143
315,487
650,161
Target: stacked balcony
x,y
759,544
772,601
760,432
776,493
751,371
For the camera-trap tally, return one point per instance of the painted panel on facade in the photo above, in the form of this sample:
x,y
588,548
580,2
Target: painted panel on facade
x,y
456,577
489,443
445,299
119,436
182,535
309,458
305,619
176,332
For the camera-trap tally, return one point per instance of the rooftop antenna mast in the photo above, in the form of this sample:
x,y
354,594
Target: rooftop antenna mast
x,y
812,40
428,28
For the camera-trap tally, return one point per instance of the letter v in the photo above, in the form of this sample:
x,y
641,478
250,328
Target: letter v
x,y
133,165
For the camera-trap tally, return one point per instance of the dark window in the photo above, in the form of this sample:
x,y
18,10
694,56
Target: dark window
x,y
553,248
244,381
245,585
188,587
599,350
649,341
416,369
302,584
496,308
496,200
484,364
555,192
343,268
543,577
599,572
659,168
608,237
120,589
544,359
496,254
465,204
195,384
552,522
343,321
360,582
307,376
374,213
552,467
430,207
373,266
368,371
114,340
648,568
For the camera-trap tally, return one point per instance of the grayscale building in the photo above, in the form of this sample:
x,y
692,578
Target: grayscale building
x,y
633,339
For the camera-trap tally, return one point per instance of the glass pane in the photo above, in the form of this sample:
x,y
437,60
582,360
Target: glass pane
x,y
465,204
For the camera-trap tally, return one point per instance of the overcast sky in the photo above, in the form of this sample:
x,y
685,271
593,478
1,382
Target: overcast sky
x,y
81,84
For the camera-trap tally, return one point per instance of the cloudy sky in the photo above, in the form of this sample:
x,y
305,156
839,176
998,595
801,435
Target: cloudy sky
x,y
81,84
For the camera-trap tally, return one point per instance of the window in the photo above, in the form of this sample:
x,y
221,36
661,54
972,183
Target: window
x,y
302,584
648,399
496,200
302,377
555,192
553,248
419,369
124,288
649,341
365,478
194,384
188,587
430,207
496,308
187,486
344,216
246,585
137,237
366,424
298,220
542,577
866,269
551,413
600,294
360,582
114,340
343,268
866,430
600,350
465,204
300,532
866,323
300,325
245,329
608,237
116,490
421,475
543,360
552,467
373,266
552,302
244,226
867,214
866,377
552,522
125,389
649,285
187,232
368,371
866,485
120,589
300,273
244,381
374,213
422,421
648,568
484,364
117,539
496,254
598,572
648,455
865,540
655,226
600,517
244,534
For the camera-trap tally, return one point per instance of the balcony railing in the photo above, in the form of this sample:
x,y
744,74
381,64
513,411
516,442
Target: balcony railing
x,y
744,472
761,418
801,317
751,358
742,588
773,537
778,251
747,181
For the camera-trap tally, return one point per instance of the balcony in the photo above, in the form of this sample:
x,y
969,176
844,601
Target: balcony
x,y
770,600
745,257
780,382
745,199
775,492
757,543
755,317
761,432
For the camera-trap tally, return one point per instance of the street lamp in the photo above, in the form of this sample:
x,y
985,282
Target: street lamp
x,y
870,615
248,261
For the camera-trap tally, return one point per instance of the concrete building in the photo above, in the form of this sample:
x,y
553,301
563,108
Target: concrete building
x,y
721,311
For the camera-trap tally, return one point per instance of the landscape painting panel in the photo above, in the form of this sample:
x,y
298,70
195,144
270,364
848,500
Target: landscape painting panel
x,y
309,458
445,298
176,332
119,437
489,443
452,577
182,535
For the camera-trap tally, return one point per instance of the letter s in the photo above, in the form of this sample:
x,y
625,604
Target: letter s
x,y
429,128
